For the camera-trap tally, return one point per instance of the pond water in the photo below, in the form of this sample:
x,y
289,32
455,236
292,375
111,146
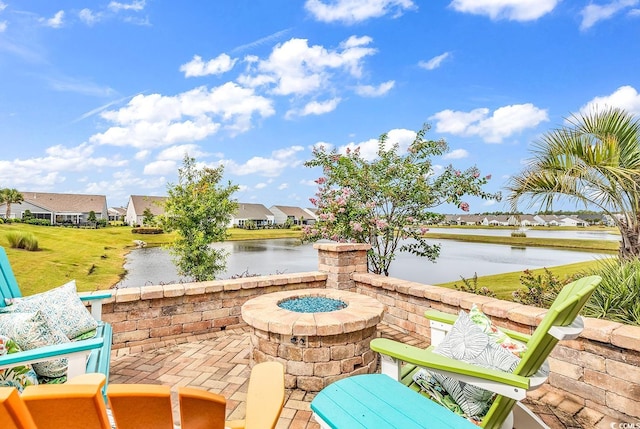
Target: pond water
x,y
262,257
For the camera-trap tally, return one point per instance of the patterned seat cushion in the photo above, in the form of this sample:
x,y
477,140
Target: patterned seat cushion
x,y
31,331
19,376
60,306
467,342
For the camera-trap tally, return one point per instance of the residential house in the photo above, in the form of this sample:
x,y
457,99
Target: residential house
x,y
258,214
139,203
117,213
296,215
59,208
499,220
572,220
547,220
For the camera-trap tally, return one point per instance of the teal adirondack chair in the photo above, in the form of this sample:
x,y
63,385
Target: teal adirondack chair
x,y
561,322
91,355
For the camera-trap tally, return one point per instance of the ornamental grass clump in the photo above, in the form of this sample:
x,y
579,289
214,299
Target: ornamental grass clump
x,y
22,240
617,297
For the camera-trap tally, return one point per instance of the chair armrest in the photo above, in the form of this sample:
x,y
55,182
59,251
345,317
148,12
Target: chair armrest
x,y
50,352
95,301
428,359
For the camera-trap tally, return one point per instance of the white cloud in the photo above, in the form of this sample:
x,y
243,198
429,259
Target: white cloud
x,y
456,154
88,17
375,91
283,186
3,26
625,97
261,185
154,120
369,148
160,167
309,183
503,123
50,169
295,68
196,67
353,11
136,6
119,185
243,188
592,13
434,62
142,155
3,6
54,22
488,203
177,153
267,39
269,167
315,108
513,10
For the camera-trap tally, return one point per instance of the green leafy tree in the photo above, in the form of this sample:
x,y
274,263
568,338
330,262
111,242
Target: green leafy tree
x,y
147,217
92,217
10,196
199,209
594,161
386,202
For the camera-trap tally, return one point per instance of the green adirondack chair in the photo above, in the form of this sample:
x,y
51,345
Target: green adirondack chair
x,y
90,355
401,361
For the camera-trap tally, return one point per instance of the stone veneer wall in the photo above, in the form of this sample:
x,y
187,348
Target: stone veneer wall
x,y
600,370
156,316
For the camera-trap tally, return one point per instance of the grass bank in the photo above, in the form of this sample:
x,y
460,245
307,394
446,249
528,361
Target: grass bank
x,y
504,284
569,244
93,257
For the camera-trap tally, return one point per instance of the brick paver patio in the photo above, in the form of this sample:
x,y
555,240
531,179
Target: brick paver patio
x,y
219,362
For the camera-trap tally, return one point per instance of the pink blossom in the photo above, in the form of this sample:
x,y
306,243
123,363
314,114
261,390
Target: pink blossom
x,y
424,230
488,177
464,207
313,201
357,227
320,180
457,172
341,210
476,175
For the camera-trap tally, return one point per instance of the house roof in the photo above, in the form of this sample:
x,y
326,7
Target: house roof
x,y
118,210
296,212
66,203
142,202
252,211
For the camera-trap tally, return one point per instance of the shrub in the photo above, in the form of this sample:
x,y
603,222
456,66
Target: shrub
x,y
144,230
22,240
471,286
617,297
540,290
34,221
519,234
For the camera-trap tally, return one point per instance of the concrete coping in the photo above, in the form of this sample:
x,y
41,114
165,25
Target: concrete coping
x,y
263,313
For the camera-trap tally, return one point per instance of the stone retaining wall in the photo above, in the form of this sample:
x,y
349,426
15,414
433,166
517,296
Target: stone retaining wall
x,y
156,316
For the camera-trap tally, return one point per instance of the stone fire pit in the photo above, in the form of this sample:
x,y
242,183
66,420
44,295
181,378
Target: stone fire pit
x,y
315,348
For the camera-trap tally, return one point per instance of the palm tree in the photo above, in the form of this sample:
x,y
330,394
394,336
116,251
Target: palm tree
x,y
10,196
594,161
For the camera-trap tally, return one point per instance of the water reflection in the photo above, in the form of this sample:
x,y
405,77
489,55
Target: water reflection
x,y
261,257
586,234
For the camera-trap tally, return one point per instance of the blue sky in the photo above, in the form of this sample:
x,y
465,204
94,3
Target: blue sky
x,y
106,97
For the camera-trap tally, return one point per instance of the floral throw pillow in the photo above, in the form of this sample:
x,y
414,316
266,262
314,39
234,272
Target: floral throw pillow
x,y
19,376
467,342
483,322
31,331
60,306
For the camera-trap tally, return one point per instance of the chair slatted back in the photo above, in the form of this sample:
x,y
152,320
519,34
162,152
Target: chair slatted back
x,y
563,312
8,283
69,406
200,409
13,412
141,406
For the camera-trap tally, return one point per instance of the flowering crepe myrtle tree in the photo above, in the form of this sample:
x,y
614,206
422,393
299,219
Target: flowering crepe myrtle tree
x,y
386,202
